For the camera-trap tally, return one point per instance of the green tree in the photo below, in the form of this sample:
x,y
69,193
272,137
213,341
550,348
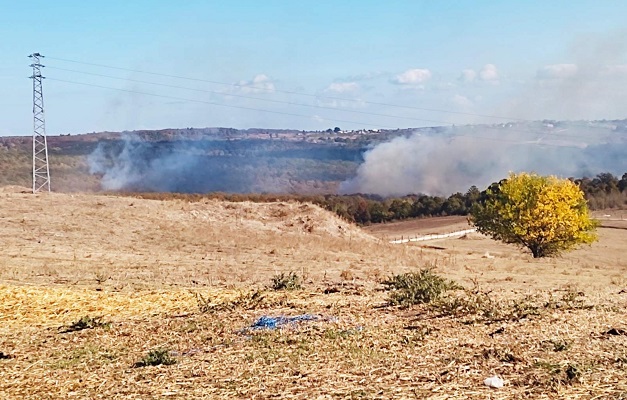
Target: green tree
x,y
359,210
378,212
472,196
547,215
454,205
622,184
606,182
400,209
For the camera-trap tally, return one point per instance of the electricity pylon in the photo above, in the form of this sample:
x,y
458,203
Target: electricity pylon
x,y
41,169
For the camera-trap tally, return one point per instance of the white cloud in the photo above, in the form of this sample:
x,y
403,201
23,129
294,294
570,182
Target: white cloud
x,y
261,83
468,75
462,101
343,87
557,71
489,73
412,77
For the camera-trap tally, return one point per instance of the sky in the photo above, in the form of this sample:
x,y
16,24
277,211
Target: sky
x,y
310,65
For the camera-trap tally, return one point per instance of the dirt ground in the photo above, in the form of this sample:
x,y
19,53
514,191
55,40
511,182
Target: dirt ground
x,y
191,278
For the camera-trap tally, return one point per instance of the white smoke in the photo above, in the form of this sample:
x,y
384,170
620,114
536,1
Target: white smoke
x,y
589,85
137,165
117,172
453,159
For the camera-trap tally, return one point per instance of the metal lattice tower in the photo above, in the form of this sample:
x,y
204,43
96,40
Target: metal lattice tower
x,y
41,169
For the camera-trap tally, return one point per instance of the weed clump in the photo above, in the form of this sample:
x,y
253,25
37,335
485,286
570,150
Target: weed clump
x,y
560,345
246,301
155,357
561,374
101,277
481,307
86,322
283,281
420,287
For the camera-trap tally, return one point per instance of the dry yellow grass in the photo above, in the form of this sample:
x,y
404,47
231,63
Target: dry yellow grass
x,y
140,264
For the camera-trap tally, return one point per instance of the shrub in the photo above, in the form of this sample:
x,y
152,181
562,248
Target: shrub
x,y
155,357
417,287
283,281
245,300
86,322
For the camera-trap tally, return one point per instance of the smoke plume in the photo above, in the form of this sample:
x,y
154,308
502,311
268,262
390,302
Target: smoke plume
x,y
452,159
212,164
165,166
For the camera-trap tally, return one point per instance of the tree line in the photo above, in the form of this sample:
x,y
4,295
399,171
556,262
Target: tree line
x,y
601,192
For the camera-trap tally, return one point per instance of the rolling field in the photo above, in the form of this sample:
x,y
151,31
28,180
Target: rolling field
x,y
90,285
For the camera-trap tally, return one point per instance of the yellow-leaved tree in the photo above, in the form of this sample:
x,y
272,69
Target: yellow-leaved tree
x,y
545,214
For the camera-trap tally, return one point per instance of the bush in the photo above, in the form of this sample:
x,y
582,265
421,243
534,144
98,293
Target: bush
x,y
480,307
156,357
86,322
245,300
282,281
417,287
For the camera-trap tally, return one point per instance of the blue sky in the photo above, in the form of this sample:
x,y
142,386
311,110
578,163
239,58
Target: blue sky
x,y
362,64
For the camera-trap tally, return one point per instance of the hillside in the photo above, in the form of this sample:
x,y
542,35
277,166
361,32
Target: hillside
x,y
209,162
90,285
193,160
72,238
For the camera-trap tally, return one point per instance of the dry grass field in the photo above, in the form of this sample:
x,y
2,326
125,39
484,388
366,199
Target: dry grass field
x,y
91,284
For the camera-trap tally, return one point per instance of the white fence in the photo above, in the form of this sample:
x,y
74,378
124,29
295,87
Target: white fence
x,y
434,236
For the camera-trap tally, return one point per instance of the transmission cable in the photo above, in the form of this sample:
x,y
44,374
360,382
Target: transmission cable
x,y
328,97
251,97
518,142
290,92
217,104
526,131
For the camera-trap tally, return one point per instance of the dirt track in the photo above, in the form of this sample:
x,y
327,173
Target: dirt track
x,y
439,225
416,227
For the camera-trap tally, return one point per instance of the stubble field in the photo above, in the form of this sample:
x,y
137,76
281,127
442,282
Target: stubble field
x,y
189,280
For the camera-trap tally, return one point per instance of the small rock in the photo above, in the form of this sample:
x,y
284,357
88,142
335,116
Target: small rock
x,y
494,382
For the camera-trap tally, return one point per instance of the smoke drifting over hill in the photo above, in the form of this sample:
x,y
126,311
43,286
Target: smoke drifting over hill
x,y
434,161
210,165
140,165
456,158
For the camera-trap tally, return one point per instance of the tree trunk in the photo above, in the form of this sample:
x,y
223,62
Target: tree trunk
x,y
536,250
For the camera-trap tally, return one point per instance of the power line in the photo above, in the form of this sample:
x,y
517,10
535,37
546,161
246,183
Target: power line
x,y
517,142
510,129
291,92
322,96
251,97
218,104
525,131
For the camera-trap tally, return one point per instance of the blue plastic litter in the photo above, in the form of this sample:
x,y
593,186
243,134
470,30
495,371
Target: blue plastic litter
x,y
267,322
